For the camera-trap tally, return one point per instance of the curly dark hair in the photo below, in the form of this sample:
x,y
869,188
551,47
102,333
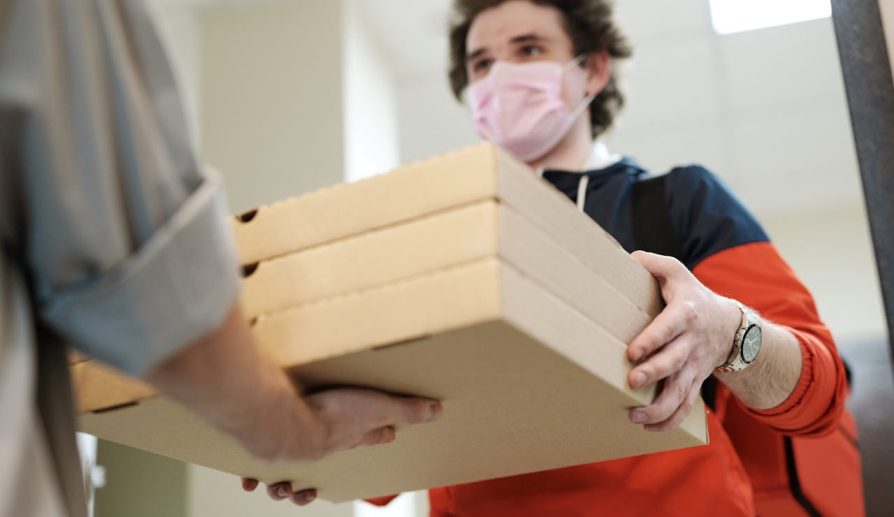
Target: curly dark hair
x,y
590,25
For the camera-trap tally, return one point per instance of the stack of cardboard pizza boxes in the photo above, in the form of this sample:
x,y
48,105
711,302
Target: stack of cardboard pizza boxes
x,y
464,278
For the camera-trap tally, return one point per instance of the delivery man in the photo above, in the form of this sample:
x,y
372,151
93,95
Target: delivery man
x,y
114,240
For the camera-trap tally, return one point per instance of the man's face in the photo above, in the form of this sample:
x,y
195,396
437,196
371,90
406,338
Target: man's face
x,y
516,31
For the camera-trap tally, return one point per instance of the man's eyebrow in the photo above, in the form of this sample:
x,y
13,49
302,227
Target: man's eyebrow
x,y
521,38
527,38
475,54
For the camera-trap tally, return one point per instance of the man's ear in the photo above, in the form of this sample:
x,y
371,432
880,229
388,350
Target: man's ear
x,y
599,71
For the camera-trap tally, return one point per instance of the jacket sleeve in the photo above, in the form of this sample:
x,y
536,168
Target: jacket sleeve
x,y
757,276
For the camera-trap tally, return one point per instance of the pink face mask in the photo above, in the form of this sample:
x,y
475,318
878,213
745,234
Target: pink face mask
x,y
519,107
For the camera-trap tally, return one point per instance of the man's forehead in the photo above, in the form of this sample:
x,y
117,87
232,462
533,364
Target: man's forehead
x,y
511,21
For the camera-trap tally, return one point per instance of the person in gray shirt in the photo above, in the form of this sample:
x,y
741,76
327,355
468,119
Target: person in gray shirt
x,y
114,241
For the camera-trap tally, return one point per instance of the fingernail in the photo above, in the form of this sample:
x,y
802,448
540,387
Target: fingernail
x,y
310,496
282,492
638,417
639,379
434,411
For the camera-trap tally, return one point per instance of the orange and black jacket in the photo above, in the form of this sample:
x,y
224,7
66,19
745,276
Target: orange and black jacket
x,y
726,249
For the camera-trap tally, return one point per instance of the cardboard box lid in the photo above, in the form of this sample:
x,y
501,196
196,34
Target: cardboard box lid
x,y
349,209
428,187
517,368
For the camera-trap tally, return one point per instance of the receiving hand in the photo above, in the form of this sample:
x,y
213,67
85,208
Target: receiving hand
x,y
351,417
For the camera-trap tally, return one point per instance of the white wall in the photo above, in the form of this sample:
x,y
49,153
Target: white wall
x,y
832,253
271,98
370,104
431,120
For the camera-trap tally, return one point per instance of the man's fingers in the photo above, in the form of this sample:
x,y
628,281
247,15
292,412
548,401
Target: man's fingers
x,y
680,414
675,392
380,436
673,321
303,497
279,491
409,410
665,363
659,266
357,416
386,410
249,484
282,491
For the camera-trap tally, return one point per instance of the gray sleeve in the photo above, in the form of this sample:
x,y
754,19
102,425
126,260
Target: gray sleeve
x,y
125,235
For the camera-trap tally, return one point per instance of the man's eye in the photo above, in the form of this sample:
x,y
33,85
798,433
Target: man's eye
x,y
482,65
531,50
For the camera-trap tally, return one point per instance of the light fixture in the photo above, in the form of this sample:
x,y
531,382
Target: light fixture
x,y
731,16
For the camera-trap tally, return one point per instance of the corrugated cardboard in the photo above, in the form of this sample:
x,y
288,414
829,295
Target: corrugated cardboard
x,y
520,335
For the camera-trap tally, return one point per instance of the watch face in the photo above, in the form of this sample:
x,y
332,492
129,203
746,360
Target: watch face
x,y
751,344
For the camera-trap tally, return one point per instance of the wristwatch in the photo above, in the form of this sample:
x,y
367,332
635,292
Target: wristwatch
x,y
746,345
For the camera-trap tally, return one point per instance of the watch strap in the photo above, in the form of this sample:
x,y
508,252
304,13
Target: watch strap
x,y
731,364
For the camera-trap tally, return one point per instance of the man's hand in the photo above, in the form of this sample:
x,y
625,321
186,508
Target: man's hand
x,y
693,335
350,418
229,380
311,427
281,491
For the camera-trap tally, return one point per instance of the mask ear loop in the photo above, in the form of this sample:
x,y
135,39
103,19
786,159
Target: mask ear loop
x,y
575,61
577,112
585,103
584,181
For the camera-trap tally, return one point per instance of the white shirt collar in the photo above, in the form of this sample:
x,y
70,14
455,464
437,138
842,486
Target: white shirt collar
x,y
600,157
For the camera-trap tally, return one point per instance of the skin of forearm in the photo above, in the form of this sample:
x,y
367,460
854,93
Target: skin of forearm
x,y
226,378
773,376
